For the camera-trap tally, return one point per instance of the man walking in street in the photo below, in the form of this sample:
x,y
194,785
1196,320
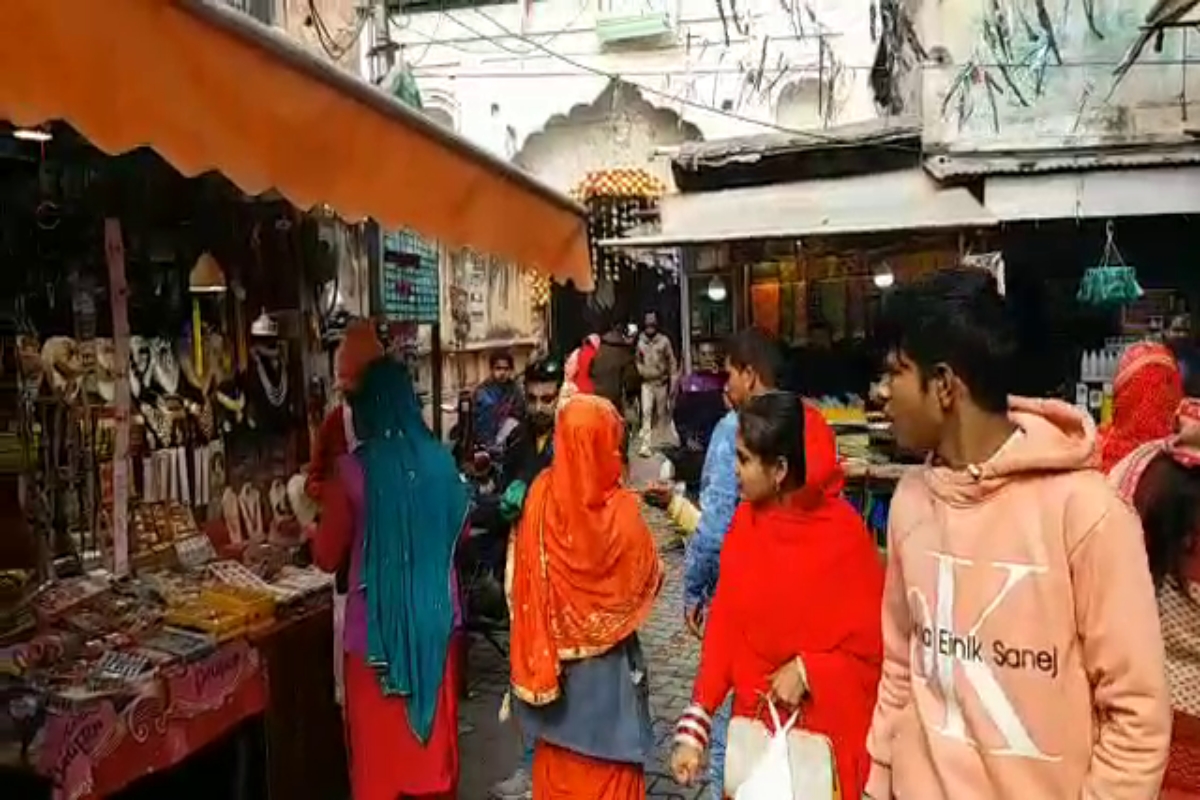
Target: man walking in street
x,y
528,451
754,363
658,369
1022,654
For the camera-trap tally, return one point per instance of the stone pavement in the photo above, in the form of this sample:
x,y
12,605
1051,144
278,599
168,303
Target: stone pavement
x,y
490,750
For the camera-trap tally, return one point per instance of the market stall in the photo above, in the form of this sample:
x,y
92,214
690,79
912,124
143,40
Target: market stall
x,y
103,656
154,389
803,237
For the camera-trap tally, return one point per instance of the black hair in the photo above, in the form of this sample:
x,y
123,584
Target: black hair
x,y
955,317
544,370
772,427
501,357
1168,501
754,348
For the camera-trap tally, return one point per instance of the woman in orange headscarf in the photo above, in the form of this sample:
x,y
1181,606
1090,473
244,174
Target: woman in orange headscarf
x,y
1147,389
583,574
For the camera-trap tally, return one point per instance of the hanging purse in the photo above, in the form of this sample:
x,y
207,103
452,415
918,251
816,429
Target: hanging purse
x,y
752,761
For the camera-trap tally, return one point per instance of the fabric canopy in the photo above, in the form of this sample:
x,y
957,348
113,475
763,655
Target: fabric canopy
x,y
209,88
876,203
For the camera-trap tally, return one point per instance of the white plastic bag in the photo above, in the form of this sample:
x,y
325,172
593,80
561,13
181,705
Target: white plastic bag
x,y
786,764
771,777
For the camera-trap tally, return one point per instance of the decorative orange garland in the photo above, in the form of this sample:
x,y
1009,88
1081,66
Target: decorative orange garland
x,y
620,182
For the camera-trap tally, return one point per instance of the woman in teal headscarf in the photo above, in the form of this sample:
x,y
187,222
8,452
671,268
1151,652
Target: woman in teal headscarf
x,y
396,510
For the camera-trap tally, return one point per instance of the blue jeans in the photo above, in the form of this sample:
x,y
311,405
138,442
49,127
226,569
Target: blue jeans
x,y
716,751
527,757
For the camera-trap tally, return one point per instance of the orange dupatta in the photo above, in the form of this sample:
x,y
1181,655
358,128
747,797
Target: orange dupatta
x,y
583,567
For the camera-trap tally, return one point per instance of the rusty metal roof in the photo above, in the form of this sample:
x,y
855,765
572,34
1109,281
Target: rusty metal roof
x,y
979,165
881,131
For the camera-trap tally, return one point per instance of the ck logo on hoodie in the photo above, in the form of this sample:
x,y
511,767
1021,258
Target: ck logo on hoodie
x,y
948,659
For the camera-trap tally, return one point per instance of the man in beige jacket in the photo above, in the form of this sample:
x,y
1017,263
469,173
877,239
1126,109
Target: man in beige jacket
x,y
658,369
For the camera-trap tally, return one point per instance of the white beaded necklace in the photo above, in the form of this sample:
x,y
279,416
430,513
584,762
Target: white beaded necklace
x,y
276,392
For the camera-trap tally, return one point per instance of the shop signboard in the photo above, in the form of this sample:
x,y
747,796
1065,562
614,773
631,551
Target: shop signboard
x,y
409,279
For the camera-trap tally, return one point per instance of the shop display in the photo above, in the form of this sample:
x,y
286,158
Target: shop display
x,y
123,668
166,633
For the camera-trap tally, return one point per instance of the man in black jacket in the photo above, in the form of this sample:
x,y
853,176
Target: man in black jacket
x,y
524,453
614,369
527,451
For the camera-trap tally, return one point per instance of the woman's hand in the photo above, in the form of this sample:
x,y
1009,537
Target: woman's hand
x,y
686,764
658,494
789,684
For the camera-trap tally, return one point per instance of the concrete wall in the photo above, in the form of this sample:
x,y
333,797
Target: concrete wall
x,y
530,81
1001,84
340,18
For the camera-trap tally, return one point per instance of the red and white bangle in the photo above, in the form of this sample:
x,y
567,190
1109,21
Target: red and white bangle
x,y
694,727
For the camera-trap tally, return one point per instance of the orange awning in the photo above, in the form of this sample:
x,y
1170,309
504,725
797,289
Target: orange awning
x,y
209,88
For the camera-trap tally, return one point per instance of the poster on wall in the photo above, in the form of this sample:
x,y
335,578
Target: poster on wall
x,y
491,301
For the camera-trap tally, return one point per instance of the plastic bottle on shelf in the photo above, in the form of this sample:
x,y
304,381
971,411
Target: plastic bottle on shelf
x,y
1106,404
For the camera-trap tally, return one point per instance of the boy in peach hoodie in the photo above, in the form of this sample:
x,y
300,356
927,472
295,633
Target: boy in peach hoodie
x,y
1022,652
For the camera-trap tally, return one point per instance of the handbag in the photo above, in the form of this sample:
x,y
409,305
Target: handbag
x,y
757,759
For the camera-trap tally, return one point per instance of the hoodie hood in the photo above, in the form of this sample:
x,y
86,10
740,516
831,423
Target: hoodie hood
x,y
1052,436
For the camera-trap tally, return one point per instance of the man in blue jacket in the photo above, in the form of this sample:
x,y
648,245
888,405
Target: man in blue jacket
x,y
754,365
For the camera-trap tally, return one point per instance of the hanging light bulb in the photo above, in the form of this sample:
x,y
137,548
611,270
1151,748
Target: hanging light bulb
x,y
884,278
716,290
40,135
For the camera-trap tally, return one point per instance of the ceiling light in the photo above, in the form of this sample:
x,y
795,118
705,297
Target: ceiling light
x,y
716,290
207,277
32,135
884,279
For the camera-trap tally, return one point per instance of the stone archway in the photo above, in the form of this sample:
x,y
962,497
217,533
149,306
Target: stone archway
x,y
618,129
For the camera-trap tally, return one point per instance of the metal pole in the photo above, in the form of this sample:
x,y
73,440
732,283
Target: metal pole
x,y
384,46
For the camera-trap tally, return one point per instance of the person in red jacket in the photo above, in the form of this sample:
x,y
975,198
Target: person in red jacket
x,y
795,616
359,348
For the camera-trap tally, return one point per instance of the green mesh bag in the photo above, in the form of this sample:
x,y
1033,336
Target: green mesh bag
x,y
1111,282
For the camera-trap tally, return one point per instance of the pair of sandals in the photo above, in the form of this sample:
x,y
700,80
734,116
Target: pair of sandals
x,y
152,364
243,515
243,511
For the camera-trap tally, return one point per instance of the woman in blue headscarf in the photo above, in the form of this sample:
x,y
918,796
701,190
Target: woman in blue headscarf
x,y
396,510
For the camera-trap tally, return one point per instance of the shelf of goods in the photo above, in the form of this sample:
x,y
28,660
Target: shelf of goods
x,y
111,679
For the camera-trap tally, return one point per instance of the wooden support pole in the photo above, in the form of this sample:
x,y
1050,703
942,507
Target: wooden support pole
x,y
118,290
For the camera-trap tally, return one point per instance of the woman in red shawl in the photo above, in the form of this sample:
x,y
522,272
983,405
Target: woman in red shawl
x,y
583,573
795,616
1146,391
1161,480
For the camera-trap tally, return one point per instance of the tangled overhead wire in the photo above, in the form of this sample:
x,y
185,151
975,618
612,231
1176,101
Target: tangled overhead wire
x,y
335,46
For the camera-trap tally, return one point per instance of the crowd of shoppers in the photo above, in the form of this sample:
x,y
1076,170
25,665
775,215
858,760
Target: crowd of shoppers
x,y
1009,645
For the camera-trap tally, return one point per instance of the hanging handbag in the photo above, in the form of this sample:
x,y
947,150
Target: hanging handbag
x,y
756,761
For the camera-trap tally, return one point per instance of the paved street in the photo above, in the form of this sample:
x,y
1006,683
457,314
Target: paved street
x,y
490,750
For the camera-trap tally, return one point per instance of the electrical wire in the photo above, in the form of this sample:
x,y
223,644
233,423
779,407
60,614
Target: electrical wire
x,y
333,48
668,96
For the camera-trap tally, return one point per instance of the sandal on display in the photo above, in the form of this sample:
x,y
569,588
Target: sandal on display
x,y
251,503
231,510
